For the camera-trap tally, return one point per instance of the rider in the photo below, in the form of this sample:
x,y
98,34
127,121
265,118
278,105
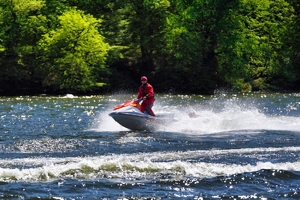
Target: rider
x,y
146,93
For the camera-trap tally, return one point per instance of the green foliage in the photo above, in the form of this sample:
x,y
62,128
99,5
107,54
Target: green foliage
x,y
23,7
293,41
17,42
73,52
147,26
189,38
242,86
192,46
252,41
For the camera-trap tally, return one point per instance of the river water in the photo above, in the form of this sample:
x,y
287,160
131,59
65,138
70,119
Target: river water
x,y
243,146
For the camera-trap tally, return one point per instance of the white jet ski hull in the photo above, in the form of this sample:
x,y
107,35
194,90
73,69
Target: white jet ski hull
x,y
133,119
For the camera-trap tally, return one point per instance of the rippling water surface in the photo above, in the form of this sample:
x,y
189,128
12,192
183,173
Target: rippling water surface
x,y
240,147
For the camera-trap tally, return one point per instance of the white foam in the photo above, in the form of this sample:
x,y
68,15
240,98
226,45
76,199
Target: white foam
x,y
69,96
232,114
141,165
103,122
215,115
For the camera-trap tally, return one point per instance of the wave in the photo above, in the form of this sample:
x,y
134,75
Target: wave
x,y
138,166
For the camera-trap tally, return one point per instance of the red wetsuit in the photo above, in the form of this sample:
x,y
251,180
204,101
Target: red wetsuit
x,y
146,90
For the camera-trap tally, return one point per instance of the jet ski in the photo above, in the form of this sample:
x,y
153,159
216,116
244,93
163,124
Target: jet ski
x,y
129,115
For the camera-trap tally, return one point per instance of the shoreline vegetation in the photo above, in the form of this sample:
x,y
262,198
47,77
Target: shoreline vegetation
x,y
196,47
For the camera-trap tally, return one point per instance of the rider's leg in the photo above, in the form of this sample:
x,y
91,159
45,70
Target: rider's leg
x,y
149,110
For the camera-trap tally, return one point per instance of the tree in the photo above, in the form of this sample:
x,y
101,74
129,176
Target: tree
x,y
73,55
21,24
252,51
190,38
293,42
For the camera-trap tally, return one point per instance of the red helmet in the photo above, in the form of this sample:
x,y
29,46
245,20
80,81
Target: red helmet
x,y
144,78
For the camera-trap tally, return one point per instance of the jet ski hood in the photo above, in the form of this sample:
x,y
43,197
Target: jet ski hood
x,y
128,110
